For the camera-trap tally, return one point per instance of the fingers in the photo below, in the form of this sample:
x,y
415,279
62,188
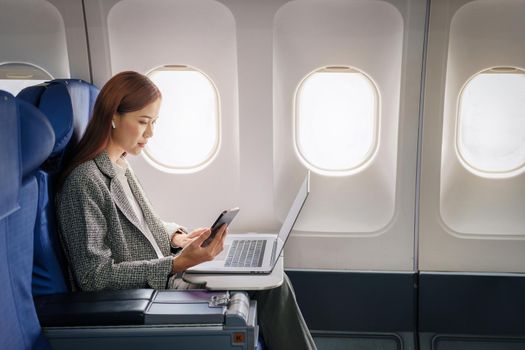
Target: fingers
x,y
222,231
206,232
196,232
198,253
218,242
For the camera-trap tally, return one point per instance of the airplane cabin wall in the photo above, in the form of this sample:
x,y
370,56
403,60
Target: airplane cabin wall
x,y
364,220
468,222
257,53
243,47
76,40
439,227
34,32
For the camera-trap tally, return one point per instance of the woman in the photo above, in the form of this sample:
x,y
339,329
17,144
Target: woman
x,y
112,237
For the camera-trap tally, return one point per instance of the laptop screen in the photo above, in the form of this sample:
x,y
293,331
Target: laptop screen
x,y
292,216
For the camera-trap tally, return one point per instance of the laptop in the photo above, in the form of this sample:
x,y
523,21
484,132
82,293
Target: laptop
x,y
255,253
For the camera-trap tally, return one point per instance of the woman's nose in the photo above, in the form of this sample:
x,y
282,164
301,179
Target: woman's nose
x,y
149,131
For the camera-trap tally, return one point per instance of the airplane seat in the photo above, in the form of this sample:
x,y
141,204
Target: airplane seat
x,y
27,140
95,319
68,104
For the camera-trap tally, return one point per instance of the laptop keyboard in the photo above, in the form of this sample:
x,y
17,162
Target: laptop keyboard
x,y
246,253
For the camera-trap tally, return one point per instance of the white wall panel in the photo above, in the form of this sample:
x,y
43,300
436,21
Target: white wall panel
x,y
358,35
365,220
468,222
254,22
77,48
33,31
483,34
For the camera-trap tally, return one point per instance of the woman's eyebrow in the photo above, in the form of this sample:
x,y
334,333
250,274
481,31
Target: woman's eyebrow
x,y
149,117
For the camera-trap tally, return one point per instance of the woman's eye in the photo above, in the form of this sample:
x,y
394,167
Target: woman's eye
x,y
143,122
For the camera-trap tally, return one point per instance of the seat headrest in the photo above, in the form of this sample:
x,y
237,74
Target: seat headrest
x,y
68,105
10,170
36,137
32,94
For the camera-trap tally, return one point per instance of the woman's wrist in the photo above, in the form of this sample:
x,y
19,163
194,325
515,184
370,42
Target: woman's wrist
x,y
179,264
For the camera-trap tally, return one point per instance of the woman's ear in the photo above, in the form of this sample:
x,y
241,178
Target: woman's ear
x,y
115,120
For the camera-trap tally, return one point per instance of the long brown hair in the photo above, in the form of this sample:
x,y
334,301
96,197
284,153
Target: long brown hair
x,y
125,92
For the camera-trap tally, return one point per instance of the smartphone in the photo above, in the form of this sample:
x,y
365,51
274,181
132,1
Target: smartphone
x,y
224,218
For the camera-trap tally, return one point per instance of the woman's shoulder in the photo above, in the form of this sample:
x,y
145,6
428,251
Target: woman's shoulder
x,y
86,169
85,184
83,176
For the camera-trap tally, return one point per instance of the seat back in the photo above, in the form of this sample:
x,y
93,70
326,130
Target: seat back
x,y
10,172
68,105
19,326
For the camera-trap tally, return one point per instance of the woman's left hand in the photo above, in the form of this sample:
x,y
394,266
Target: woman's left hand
x,y
182,240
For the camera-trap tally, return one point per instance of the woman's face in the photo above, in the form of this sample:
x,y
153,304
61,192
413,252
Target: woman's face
x,y
132,130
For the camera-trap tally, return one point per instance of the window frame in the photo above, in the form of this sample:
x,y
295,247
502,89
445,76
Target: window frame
x,y
495,174
374,147
166,168
4,74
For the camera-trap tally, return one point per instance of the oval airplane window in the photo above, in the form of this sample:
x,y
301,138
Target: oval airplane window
x,y
336,120
491,123
187,132
14,77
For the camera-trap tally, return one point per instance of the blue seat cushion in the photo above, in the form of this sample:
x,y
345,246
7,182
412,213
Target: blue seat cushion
x,y
18,319
18,313
11,336
49,266
32,94
68,105
10,157
36,137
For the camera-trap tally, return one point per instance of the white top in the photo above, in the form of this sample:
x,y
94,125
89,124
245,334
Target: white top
x,y
120,169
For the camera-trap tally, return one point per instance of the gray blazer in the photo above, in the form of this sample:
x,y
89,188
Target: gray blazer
x,y
101,235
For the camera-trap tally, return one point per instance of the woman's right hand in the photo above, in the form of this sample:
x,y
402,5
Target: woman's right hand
x,y
193,254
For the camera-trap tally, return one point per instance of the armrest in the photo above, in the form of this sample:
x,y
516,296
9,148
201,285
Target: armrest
x,y
119,307
143,307
152,320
